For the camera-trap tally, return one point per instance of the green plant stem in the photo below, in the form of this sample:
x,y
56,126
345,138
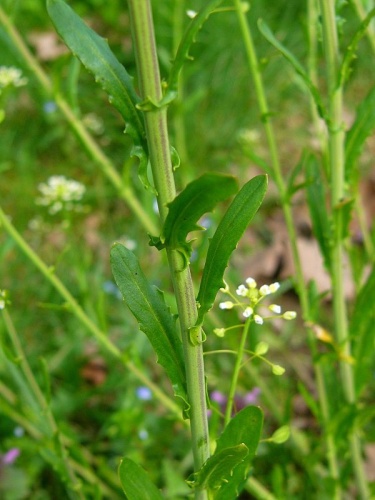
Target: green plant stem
x,y
45,409
336,143
258,490
80,314
86,139
159,148
236,372
287,211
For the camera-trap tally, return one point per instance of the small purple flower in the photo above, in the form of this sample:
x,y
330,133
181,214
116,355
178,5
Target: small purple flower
x,y
10,456
251,398
218,397
144,393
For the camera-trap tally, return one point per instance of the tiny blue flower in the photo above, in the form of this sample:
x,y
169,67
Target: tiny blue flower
x,y
144,393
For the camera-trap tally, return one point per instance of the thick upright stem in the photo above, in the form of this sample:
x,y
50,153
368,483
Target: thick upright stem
x,y
336,148
160,156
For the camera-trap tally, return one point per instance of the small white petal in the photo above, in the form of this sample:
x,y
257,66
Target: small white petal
x,y
275,308
251,283
226,305
248,312
258,319
264,290
242,291
274,287
290,315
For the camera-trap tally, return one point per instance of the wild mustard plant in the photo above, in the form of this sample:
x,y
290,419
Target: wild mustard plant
x,y
180,346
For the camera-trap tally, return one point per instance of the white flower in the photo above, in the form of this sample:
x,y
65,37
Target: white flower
x,y
11,76
226,305
248,312
290,315
242,291
274,287
258,319
264,290
251,283
275,308
59,192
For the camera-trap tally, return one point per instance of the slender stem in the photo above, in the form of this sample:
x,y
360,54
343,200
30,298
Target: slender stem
x,y
236,372
159,148
336,142
76,309
285,202
92,148
44,407
257,490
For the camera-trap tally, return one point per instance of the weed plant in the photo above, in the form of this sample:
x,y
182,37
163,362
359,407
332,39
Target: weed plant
x,y
139,354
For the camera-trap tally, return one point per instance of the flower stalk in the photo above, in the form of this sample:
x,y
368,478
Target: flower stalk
x,y
160,157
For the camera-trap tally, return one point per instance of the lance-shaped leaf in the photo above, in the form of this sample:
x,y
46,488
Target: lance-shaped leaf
x,y
94,53
154,318
245,427
226,237
361,129
218,469
187,40
136,483
300,70
199,197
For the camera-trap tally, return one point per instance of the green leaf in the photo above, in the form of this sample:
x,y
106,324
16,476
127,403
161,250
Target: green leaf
x,y
154,318
218,469
360,130
300,70
136,483
362,332
226,237
246,428
187,40
199,197
350,52
94,53
318,211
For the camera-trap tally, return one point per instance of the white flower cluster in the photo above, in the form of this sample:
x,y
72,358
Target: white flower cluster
x,y
255,295
60,193
10,76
